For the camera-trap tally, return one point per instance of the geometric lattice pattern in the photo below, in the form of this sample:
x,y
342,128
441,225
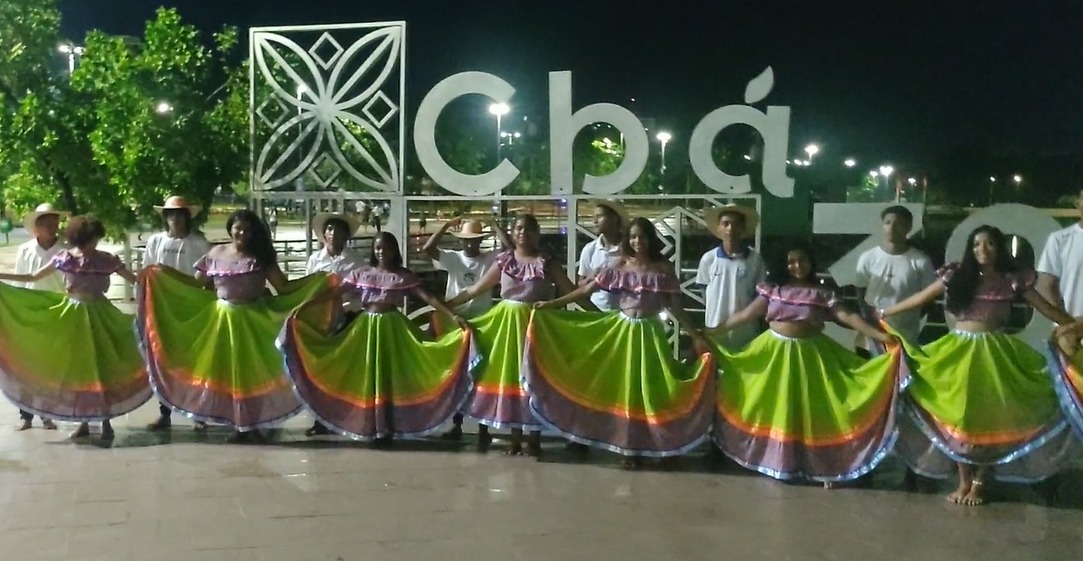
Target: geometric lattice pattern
x,y
326,107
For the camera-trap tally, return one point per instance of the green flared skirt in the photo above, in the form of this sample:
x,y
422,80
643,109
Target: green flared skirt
x,y
215,361
69,360
379,375
499,399
984,399
611,381
806,408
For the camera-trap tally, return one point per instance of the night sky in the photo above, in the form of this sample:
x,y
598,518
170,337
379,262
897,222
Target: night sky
x,y
882,80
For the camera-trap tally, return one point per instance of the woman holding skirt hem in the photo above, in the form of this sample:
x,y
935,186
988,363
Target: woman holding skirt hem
x,y
525,276
71,357
609,380
379,377
212,355
794,404
978,396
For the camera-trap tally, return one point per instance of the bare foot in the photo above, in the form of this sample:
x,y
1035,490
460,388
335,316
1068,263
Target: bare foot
x,y
27,423
484,438
975,496
107,431
162,423
963,490
829,485
82,432
455,434
48,424
533,445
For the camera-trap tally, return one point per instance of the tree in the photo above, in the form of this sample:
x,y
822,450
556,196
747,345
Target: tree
x,y
136,121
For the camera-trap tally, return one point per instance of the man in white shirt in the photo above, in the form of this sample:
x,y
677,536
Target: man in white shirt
x,y
1060,267
44,225
464,267
334,257
731,271
894,271
178,247
610,220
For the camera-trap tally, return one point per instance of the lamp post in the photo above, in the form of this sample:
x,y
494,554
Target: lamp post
x,y
499,110
849,162
663,137
886,171
811,150
72,51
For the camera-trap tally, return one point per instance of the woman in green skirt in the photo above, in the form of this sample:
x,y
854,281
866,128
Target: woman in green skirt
x,y
379,377
979,396
794,404
610,380
525,276
211,355
71,357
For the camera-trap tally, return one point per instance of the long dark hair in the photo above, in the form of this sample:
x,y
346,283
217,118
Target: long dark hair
x,y
964,283
779,271
259,242
391,241
654,241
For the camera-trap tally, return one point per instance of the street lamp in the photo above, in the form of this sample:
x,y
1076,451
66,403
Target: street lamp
x,y
874,174
72,51
664,137
1017,179
811,150
499,109
886,171
163,107
849,162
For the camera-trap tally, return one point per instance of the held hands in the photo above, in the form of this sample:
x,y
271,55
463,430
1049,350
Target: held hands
x,y
700,342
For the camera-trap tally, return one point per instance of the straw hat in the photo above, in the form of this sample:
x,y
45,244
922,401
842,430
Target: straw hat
x,y
319,222
712,215
616,207
471,230
31,219
176,202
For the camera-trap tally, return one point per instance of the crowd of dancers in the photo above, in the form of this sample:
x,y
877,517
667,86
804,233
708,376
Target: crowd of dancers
x,y
762,382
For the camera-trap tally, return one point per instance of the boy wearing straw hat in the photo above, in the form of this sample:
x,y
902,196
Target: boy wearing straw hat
x,y
464,267
731,271
178,247
610,220
44,224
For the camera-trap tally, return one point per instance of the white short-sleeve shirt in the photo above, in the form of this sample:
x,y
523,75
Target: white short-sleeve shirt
x,y
178,253
31,257
1062,257
889,279
348,260
593,258
730,286
462,273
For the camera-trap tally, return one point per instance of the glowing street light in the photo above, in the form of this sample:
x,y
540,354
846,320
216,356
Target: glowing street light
x,y
811,150
664,137
886,170
874,174
1017,179
163,107
72,51
849,162
499,110
912,181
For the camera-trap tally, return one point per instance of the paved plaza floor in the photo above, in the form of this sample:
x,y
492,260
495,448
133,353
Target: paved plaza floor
x,y
189,497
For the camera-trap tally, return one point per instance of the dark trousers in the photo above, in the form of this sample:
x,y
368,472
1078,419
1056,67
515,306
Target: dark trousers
x,y
27,416
164,409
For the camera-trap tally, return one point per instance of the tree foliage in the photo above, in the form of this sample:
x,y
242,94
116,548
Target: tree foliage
x,y
137,120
